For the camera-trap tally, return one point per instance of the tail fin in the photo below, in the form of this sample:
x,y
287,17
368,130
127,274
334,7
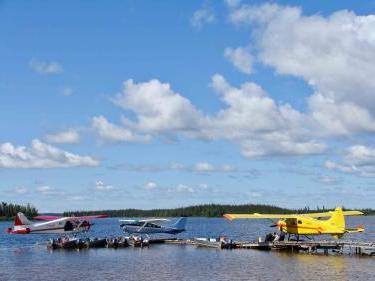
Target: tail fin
x,y
21,219
337,219
180,223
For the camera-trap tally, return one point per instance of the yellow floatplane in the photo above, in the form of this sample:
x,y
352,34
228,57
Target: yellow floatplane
x,y
308,224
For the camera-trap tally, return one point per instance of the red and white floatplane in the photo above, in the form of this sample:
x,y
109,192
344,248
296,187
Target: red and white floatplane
x,y
51,224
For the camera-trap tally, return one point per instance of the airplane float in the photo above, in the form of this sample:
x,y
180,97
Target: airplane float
x,y
53,224
308,224
149,226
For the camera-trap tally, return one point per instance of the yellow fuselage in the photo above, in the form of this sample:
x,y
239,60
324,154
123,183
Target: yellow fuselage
x,y
309,226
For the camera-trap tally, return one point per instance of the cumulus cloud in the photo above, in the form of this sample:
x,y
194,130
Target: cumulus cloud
x,y
101,186
241,58
158,108
111,132
250,118
334,54
260,125
68,136
40,155
357,159
45,67
202,16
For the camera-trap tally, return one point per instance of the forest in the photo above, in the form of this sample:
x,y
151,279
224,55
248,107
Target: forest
x,y
206,210
9,210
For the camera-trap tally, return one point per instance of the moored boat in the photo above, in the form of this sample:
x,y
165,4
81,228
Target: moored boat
x,y
96,243
63,243
138,241
117,242
218,243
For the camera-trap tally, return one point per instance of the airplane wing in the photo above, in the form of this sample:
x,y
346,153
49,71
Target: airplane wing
x,y
86,217
50,218
287,216
259,216
328,214
46,218
144,220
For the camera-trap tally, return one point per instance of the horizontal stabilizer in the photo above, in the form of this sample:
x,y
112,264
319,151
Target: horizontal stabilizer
x,y
359,228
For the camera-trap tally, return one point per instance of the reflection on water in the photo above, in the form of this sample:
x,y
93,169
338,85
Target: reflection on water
x,y
26,258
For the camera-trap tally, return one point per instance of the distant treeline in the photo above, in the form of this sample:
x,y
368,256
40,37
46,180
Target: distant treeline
x,y
208,210
9,210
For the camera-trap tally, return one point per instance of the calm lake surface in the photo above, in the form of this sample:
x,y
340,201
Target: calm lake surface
x,y
25,257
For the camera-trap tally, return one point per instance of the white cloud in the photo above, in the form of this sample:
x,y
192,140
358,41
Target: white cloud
x,y
357,159
20,190
250,118
157,107
202,16
241,58
182,188
258,124
44,67
44,188
334,54
151,186
68,136
204,167
111,132
47,190
101,186
40,155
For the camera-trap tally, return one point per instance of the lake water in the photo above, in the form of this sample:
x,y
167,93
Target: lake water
x,y
25,257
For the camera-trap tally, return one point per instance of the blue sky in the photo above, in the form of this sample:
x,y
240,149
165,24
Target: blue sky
x,y
148,104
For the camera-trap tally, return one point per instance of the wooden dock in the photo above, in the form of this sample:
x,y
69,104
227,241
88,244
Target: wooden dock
x,y
310,246
314,246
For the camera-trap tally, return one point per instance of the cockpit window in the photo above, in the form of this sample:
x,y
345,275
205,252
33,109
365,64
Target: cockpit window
x,y
291,221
